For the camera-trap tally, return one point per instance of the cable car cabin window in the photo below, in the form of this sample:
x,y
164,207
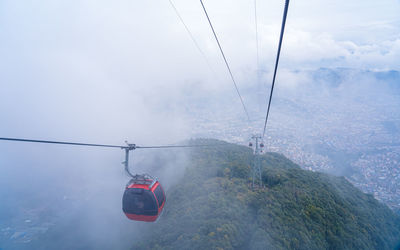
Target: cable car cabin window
x,y
139,201
160,195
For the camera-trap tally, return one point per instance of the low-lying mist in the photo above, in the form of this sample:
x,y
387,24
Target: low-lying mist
x,y
69,197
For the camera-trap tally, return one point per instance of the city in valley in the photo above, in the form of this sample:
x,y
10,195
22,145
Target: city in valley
x,y
353,135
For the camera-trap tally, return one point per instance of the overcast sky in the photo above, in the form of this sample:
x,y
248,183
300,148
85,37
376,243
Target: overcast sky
x,y
105,72
95,69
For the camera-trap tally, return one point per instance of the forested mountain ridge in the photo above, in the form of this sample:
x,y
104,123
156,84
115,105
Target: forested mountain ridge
x,y
214,207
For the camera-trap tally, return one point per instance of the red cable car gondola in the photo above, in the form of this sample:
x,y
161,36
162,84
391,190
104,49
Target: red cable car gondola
x,y
143,199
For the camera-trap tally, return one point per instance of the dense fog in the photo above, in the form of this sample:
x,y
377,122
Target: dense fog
x,y
96,72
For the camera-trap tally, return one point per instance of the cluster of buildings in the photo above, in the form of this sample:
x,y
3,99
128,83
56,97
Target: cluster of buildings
x,y
347,142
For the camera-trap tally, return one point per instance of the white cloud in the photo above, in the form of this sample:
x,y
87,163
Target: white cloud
x,y
305,50
121,62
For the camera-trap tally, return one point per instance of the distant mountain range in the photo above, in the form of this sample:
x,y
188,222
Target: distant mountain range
x,y
336,76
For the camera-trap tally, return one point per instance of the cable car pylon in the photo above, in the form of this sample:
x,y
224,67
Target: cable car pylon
x,y
256,167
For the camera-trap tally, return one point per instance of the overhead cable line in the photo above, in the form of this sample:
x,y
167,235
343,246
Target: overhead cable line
x,y
191,36
62,142
277,61
180,146
128,146
226,62
257,49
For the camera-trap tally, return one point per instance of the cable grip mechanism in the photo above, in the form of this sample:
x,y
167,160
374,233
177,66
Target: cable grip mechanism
x,y
127,149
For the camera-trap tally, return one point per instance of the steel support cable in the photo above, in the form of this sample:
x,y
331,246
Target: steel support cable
x,y
277,61
226,62
257,49
129,146
179,146
258,73
62,142
192,37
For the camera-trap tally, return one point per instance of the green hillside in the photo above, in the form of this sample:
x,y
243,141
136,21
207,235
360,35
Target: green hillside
x,y
214,207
